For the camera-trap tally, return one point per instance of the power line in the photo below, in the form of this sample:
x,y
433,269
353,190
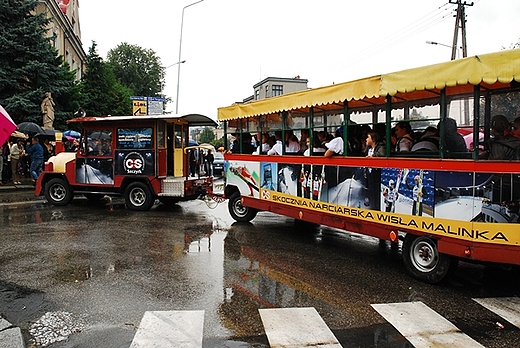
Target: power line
x,y
427,21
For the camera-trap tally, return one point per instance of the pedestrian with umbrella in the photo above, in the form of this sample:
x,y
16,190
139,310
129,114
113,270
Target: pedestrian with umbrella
x,y
35,151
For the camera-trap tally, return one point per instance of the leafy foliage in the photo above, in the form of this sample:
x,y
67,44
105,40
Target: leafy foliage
x,y
102,94
207,135
30,65
138,69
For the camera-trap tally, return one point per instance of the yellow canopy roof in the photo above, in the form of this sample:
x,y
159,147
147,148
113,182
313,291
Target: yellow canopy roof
x,y
489,68
502,67
337,93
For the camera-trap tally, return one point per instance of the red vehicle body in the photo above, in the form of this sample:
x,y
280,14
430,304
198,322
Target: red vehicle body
x,y
142,158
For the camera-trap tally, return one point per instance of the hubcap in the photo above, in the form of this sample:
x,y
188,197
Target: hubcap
x,y
424,255
137,197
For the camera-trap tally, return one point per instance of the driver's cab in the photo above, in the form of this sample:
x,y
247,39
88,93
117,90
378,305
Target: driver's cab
x,y
152,147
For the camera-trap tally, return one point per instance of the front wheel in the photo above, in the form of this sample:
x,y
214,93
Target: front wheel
x,y
238,211
423,260
58,192
138,196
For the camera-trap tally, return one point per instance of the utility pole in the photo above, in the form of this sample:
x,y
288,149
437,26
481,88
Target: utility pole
x,y
460,22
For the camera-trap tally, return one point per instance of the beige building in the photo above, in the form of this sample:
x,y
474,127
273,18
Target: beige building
x,y
64,25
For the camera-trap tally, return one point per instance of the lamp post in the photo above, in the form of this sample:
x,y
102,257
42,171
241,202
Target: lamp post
x,y
441,44
169,66
179,61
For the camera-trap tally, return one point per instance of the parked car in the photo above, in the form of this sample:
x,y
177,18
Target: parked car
x,y
218,164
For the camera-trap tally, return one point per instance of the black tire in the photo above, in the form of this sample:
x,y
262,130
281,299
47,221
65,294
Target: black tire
x,y
58,192
239,212
423,260
138,197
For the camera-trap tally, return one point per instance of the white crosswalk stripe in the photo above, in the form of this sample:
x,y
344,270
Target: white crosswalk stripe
x,y
506,307
304,327
297,327
422,326
181,329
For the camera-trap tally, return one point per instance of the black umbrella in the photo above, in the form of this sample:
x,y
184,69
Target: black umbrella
x,y
100,135
30,127
48,134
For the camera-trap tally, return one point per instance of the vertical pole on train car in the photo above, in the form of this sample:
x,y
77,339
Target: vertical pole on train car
x,y
346,121
311,133
388,128
443,113
476,120
240,132
226,142
487,120
284,126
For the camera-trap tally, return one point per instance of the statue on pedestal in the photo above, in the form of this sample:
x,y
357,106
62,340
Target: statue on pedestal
x,y
48,111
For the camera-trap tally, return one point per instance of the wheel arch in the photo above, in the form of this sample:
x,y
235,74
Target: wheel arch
x,y
230,190
46,177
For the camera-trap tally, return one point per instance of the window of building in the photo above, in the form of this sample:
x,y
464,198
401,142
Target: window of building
x,y
277,90
257,94
267,91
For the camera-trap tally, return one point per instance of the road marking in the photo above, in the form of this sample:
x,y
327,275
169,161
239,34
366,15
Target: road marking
x,y
506,307
422,326
182,329
297,327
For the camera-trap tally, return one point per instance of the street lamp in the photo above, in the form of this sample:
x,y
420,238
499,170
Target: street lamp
x,y
437,43
169,66
179,61
441,44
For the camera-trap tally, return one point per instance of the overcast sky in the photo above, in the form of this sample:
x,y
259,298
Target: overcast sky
x,y
230,45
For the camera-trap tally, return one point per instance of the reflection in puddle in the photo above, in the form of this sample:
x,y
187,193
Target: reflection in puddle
x,y
256,277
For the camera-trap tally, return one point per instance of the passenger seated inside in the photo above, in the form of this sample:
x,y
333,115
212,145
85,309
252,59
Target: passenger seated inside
x,y
515,128
317,149
335,146
504,145
278,146
292,144
375,145
429,141
403,132
304,139
244,140
265,146
454,143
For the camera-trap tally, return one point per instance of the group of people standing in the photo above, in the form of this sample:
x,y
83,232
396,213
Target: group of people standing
x,y
20,158
201,162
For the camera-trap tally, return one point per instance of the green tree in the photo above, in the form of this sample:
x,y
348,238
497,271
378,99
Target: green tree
x,y
207,135
31,66
102,94
138,69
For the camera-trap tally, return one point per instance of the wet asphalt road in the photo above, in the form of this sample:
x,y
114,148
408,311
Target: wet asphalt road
x,y
106,266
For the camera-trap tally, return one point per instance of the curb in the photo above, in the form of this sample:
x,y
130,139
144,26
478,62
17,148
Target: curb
x,y
10,336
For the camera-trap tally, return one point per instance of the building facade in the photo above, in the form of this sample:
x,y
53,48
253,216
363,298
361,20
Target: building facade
x,y
275,86
65,28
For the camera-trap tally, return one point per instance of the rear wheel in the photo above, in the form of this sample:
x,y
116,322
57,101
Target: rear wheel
x,y
238,211
138,196
58,192
423,260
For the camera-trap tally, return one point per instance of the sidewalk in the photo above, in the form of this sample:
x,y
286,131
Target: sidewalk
x,y
26,184
10,193
10,336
